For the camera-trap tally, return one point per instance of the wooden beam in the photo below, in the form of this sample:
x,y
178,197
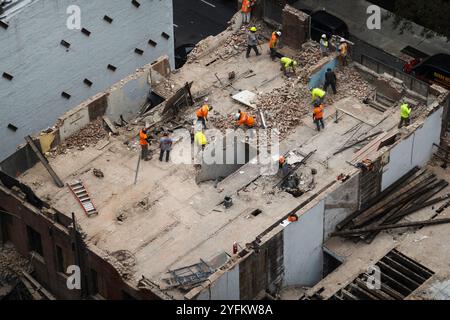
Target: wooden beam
x,y
110,125
44,161
392,226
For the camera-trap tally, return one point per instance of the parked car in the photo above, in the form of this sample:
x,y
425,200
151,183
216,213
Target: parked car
x,y
181,54
435,69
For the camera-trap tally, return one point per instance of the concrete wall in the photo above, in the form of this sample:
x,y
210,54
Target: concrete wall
x,y
226,287
303,254
43,69
416,150
339,204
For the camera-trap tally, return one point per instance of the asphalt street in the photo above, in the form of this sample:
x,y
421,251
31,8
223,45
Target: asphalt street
x,y
195,20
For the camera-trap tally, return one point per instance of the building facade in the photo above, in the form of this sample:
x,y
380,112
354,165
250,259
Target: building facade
x,y
57,53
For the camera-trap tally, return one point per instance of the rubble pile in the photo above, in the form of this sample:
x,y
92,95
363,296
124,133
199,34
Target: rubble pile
x,y
309,55
284,108
12,264
86,137
350,83
232,45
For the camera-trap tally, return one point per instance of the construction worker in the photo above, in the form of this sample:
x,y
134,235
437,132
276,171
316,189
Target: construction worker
x,y
405,115
252,42
246,10
283,166
330,80
244,119
200,140
202,113
324,45
286,64
317,94
144,140
343,52
318,116
165,145
273,43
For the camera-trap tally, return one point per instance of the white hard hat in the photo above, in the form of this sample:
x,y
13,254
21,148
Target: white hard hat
x,y
237,116
206,99
342,40
324,36
278,33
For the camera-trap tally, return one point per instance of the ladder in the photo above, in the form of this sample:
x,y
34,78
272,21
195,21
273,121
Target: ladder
x,y
80,192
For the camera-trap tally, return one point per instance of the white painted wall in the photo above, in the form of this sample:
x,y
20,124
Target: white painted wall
x,y
339,204
224,288
425,137
303,255
416,150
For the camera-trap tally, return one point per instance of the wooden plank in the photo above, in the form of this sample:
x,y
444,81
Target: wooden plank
x,y
44,161
110,125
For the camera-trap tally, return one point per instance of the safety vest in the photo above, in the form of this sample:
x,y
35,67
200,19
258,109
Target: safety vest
x,y
143,138
324,43
273,41
405,111
200,139
246,119
245,6
317,93
203,111
286,62
318,112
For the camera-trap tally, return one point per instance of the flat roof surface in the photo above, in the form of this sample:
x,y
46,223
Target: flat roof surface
x,y
170,221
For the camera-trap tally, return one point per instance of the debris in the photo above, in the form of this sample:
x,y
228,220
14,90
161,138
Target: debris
x,y
98,173
88,136
44,161
410,195
110,125
12,264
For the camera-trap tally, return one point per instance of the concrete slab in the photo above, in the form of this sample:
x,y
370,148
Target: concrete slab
x,y
360,111
247,98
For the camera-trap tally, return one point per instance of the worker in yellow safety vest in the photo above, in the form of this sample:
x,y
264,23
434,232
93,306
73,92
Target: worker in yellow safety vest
x,y
317,95
286,64
405,115
200,140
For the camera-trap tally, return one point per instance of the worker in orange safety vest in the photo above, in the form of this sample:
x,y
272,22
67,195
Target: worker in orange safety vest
x,y
144,139
202,113
318,116
246,10
245,119
273,43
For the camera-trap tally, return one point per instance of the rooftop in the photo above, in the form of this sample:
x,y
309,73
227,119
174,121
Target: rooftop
x,y
166,220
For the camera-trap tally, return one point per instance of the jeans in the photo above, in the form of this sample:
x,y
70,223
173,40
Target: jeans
x,y
246,17
332,84
404,122
273,53
203,121
161,155
319,122
249,49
